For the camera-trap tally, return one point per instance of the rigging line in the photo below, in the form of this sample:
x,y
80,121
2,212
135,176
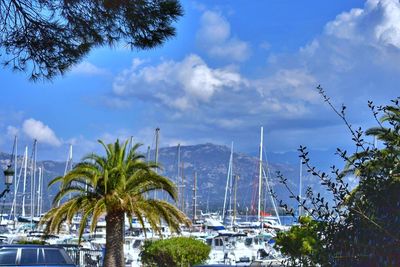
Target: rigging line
x,y
267,164
14,157
269,187
269,175
272,200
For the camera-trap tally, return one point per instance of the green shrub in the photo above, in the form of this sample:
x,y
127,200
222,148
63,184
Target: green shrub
x,y
176,251
303,244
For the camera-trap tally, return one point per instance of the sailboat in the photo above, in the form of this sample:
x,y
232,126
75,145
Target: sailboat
x,y
267,220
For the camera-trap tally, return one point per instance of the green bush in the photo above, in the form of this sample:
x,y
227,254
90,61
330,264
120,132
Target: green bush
x,y
303,244
176,251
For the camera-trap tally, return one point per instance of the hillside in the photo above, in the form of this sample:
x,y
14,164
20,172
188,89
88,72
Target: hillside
x,y
209,161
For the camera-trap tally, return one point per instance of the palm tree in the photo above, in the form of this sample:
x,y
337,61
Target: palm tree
x,y
114,185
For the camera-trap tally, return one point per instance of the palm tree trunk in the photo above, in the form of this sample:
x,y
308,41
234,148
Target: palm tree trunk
x,y
114,240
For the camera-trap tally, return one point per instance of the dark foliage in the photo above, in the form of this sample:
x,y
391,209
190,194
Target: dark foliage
x,y
47,37
31,242
358,227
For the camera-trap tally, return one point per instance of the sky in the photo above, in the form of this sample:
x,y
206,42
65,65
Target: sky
x,y
233,66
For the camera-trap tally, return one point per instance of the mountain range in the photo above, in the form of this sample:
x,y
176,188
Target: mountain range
x,y
210,164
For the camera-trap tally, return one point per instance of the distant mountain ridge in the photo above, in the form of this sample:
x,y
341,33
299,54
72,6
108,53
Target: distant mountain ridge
x,y
209,161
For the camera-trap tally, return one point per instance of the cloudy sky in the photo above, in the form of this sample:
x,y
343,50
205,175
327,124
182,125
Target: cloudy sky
x,y
234,66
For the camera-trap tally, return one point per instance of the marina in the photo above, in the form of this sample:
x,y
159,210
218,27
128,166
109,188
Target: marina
x,y
234,238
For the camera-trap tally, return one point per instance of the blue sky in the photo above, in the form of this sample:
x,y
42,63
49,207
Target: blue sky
x,y
233,66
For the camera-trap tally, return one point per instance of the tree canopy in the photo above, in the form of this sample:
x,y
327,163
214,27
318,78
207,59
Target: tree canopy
x,y
356,226
47,37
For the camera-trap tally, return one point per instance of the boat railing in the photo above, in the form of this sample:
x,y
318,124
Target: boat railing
x,y
84,257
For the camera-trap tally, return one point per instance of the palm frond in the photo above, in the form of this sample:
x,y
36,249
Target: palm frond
x,y
117,182
98,210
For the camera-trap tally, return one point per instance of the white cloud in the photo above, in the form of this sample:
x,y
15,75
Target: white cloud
x,y
179,85
42,133
215,37
87,68
294,83
354,58
377,24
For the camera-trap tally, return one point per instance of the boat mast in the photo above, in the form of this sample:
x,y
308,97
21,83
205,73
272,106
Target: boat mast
x,y
156,156
231,185
39,191
183,189
15,151
33,180
260,174
228,178
194,197
24,186
235,200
